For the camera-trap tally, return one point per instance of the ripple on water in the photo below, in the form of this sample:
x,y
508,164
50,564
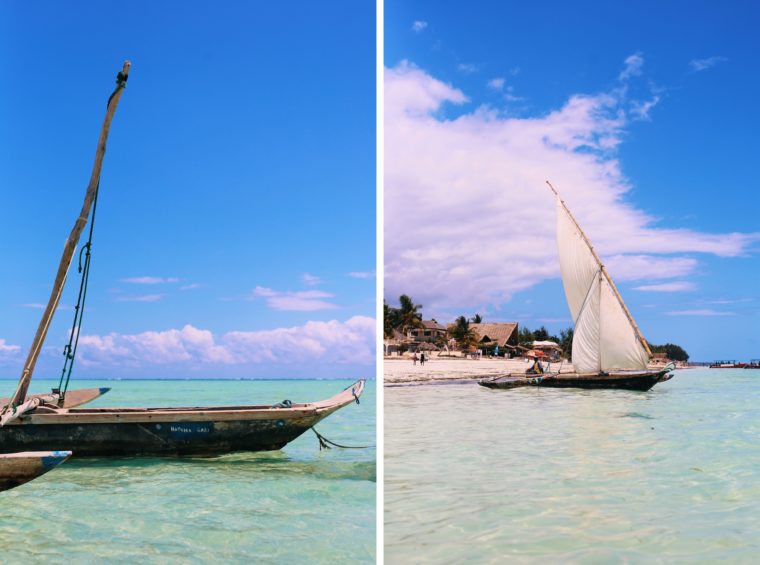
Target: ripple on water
x,y
298,504
573,475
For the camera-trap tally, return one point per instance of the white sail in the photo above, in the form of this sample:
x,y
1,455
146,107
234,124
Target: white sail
x,y
604,338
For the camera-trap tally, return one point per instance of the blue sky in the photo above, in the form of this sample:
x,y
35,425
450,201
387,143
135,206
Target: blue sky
x,y
235,234
644,116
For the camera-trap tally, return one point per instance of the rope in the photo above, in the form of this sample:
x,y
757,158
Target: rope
x,y
70,350
121,82
323,443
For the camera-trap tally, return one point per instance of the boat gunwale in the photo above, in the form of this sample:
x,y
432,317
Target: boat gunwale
x,y
51,414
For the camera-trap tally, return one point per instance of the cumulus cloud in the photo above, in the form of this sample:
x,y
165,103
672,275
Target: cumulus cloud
x,y
496,83
310,279
419,25
150,280
349,342
8,353
633,66
676,286
301,301
704,64
468,219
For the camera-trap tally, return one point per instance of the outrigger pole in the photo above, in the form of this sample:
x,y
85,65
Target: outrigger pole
x,y
604,272
17,406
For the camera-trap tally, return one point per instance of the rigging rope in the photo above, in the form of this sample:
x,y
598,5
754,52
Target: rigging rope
x,y
70,350
323,443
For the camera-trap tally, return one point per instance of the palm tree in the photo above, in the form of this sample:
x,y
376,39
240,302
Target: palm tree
x,y
477,319
462,332
409,317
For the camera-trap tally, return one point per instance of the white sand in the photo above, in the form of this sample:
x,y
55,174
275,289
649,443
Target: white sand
x,y
397,370
400,370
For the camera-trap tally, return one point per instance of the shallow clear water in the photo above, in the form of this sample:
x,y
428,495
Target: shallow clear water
x,y
564,475
297,504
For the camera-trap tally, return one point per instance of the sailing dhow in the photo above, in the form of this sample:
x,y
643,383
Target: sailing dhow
x,y
608,348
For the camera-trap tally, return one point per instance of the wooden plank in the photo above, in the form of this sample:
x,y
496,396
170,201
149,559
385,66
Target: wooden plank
x,y
73,397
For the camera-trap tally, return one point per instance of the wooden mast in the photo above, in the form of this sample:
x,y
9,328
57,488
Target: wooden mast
x,y
70,246
604,272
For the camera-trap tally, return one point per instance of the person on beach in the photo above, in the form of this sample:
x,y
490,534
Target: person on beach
x,y
422,358
537,368
414,359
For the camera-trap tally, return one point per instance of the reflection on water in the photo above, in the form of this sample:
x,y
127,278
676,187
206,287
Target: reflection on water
x,y
298,504
537,475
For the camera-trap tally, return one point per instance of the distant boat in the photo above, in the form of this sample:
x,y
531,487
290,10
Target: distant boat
x,y
51,422
608,348
728,365
19,468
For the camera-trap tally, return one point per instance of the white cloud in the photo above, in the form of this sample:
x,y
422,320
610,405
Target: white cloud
x,y
191,286
704,64
33,305
640,109
467,68
419,25
150,280
676,286
310,279
301,301
468,218
496,83
704,312
141,298
361,274
633,65
349,342
8,352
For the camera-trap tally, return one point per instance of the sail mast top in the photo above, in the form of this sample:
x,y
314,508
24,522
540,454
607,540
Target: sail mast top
x,y
70,245
603,270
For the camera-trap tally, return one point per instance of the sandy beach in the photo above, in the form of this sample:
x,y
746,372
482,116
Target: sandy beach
x,y
401,370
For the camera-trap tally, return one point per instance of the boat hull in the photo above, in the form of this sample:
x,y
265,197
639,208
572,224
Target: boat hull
x,y
185,437
103,432
641,381
19,468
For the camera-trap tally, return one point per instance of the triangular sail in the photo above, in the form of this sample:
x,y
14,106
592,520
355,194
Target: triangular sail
x,y
605,337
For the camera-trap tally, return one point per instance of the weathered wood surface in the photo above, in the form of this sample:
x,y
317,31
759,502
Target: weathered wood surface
x,y
19,468
69,249
168,431
629,380
72,399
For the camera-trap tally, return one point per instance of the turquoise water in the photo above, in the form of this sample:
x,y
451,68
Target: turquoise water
x,y
558,475
297,504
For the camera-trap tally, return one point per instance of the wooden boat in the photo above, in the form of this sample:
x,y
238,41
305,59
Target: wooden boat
x,y
608,348
19,468
753,364
72,399
727,365
169,431
53,422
